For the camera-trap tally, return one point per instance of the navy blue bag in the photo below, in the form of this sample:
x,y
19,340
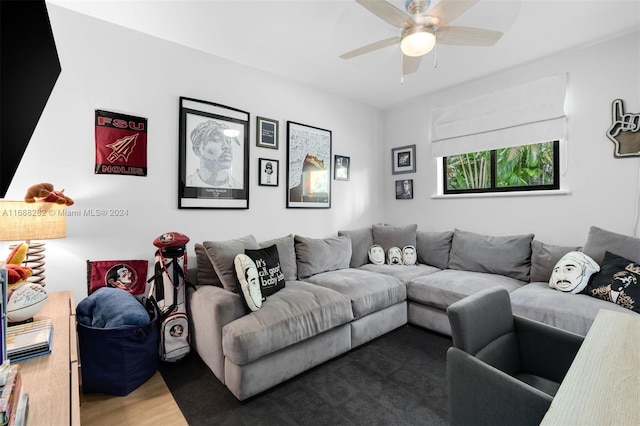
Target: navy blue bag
x,y
115,361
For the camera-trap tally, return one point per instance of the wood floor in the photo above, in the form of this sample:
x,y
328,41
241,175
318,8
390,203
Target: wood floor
x,y
150,404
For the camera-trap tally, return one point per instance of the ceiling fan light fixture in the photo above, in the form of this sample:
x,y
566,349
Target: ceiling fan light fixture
x,y
417,41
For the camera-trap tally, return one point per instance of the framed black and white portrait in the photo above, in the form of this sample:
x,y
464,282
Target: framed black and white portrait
x,y
268,172
341,167
214,156
267,133
308,166
403,159
404,189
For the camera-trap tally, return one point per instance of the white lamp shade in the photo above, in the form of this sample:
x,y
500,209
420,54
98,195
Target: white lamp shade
x,y
20,221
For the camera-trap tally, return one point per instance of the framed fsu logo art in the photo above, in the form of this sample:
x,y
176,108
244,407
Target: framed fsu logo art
x,y
121,144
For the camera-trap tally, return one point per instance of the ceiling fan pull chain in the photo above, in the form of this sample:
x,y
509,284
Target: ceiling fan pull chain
x,y
435,51
401,68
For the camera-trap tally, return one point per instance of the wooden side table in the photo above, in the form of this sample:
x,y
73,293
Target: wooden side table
x,y
52,380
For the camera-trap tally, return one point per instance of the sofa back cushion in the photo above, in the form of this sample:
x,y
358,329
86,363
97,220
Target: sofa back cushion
x,y
387,236
315,256
205,275
433,248
509,255
600,241
544,258
223,253
361,240
287,253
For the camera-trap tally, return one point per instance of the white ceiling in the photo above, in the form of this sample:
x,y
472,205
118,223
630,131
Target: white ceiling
x,y
301,40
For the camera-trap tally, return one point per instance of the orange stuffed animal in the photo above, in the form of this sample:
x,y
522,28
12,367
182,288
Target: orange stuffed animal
x,y
17,274
45,192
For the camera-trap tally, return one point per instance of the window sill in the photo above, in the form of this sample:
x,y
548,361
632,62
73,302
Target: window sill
x,y
503,194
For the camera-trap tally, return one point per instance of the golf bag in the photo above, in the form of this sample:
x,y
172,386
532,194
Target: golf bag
x,y
168,292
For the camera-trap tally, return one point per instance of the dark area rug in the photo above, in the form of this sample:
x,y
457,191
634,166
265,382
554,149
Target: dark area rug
x,y
397,379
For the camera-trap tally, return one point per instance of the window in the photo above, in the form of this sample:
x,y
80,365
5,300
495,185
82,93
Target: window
x,y
532,167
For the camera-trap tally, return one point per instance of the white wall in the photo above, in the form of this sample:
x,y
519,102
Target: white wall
x,y
108,67
604,190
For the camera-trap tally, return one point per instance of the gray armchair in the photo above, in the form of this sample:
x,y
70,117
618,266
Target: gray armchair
x,y
503,369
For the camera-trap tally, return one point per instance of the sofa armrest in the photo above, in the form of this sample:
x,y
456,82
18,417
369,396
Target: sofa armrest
x,y
210,309
545,351
480,394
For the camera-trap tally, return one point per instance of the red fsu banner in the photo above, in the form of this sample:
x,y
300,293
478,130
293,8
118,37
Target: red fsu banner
x,y
121,144
128,275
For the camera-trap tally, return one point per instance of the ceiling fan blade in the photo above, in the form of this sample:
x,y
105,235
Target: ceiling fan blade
x,y
371,47
410,64
387,12
448,10
467,36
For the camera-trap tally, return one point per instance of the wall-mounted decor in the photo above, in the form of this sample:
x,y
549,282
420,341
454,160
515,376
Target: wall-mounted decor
x,y
403,159
268,172
214,156
341,167
624,131
404,189
267,133
121,144
308,166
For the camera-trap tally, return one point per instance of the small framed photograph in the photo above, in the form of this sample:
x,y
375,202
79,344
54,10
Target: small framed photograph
x,y
403,159
268,172
404,189
267,133
341,167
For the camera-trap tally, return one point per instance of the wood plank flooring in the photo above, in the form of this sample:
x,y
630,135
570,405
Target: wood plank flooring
x,y
150,404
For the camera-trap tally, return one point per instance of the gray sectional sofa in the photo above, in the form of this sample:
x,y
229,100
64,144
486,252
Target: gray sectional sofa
x,y
334,299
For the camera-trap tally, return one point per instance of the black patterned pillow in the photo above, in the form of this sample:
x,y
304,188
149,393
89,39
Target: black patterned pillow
x,y
618,282
270,273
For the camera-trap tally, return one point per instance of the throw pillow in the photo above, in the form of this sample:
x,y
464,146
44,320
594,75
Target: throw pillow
x,y
376,255
316,255
544,258
394,257
270,273
361,240
618,282
248,282
600,241
509,256
434,247
572,272
394,236
409,256
222,255
206,275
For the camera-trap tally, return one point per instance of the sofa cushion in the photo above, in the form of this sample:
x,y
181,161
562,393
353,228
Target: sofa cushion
x,y
404,274
544,258
267,263
389,236
368,291
509,255
315,255
222,253
297,312
571,312
599,241
287,253
434,247
206,275
445,287
572,272
361,240
617,282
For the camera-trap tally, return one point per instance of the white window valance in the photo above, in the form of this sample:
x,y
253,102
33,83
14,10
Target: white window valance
x,y
525,114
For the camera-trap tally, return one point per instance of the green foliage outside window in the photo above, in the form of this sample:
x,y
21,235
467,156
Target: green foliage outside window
x,y
522,168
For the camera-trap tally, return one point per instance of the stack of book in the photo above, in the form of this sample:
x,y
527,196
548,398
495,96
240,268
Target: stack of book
x,y
14,402
29,340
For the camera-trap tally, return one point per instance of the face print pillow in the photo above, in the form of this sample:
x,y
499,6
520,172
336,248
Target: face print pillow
x,y
572,272
376,254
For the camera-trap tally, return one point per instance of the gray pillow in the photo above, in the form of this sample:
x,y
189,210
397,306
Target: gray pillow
x,y
206,275
394,236
434,247
599,241
222,254
321,255
287,253
361,240
509,256
544,258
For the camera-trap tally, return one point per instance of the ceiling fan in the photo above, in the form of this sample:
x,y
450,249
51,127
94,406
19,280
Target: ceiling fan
x,y
422,28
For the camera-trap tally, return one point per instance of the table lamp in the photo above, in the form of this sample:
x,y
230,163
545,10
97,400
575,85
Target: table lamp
x,y
20,221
